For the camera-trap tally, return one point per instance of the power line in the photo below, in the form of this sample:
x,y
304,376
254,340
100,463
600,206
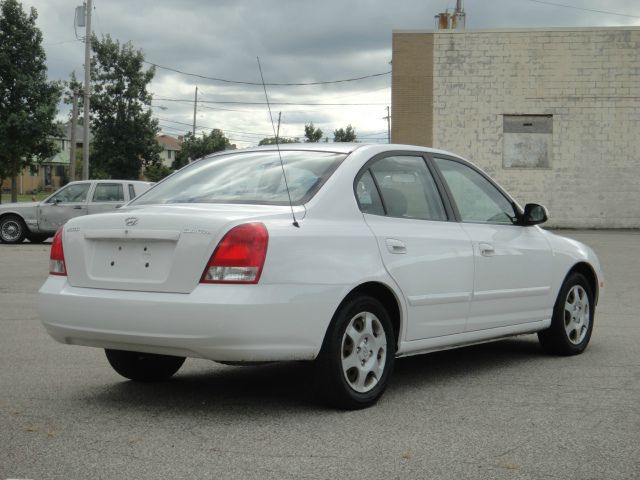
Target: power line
x,y
211,128
235,102
241,82
584,9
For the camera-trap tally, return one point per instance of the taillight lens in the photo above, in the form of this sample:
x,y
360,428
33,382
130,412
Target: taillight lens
x,y
56,259
239,257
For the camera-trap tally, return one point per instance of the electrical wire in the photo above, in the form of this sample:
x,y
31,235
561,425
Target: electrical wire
x,y
237,102
240,82
584,9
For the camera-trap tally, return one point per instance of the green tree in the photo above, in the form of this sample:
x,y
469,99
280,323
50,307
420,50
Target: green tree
x,y
311,133
28,100
155,173
124,132
197,147
281,140
344,135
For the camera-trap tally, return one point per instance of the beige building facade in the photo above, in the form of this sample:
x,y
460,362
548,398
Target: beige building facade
x,y
552,114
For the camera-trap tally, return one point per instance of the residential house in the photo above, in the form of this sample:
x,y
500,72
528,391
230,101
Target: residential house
x,y
170,147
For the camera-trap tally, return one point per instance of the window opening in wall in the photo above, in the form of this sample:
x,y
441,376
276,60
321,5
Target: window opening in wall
x,y
527,141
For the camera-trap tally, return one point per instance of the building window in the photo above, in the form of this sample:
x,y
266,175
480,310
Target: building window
x,y
527,141
169,154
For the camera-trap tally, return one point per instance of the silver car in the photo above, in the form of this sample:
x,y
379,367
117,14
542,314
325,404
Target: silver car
x,y
38,221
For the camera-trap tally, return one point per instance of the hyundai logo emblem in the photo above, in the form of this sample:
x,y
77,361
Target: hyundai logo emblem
x,y
131,221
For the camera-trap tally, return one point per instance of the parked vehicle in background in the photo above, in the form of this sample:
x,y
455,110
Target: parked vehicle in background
x,y
38,221
395,250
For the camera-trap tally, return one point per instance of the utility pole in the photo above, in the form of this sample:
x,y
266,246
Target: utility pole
x,y
278,131
87,94
195,108
72,150
388,119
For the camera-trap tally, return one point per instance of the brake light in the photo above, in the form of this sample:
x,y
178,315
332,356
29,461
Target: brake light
x,y
56,258
239,257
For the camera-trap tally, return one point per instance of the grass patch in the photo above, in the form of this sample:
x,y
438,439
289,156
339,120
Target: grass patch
x,y
27,197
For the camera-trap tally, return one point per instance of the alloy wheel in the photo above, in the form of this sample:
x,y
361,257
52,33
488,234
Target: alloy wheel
x,y
576,314
363,352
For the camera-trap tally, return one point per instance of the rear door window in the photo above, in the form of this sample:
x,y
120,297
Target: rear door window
x,y
406,187
108,192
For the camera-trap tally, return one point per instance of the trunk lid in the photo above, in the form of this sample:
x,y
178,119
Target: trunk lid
x,y
156,248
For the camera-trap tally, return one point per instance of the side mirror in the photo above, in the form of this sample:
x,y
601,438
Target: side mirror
x,y
534,214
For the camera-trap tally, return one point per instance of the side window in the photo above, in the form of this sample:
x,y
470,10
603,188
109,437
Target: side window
x,y
477,199
367,195
408,189
108,192
132,192
73,193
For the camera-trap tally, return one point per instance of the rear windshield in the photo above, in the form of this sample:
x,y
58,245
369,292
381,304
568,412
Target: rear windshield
x,y
249,177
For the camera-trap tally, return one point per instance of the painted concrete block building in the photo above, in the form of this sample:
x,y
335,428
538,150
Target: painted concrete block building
x,y
552,114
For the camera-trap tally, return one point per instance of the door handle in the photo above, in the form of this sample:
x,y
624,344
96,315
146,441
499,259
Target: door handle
x,y
77,207
486,249
395,246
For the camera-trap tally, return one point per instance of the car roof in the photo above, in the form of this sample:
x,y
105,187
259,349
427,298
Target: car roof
x,y
337,147
114,180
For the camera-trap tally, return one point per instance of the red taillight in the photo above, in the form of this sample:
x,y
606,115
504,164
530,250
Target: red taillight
x,y
56,259
239,257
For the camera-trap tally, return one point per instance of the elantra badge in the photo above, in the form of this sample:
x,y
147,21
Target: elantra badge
x,y
130,221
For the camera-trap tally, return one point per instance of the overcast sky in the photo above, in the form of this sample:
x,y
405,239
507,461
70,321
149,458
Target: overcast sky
x,y
298,41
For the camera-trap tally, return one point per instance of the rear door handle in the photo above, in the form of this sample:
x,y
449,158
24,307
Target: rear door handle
x,y
486,249
78,207
395,246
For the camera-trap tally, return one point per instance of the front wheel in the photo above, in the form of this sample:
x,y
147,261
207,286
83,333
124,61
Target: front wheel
x,y
572,321
357,356
12,229
143,367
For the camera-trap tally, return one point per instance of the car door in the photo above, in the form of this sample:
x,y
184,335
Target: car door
x,y
428,256
106,196
68,202
512,283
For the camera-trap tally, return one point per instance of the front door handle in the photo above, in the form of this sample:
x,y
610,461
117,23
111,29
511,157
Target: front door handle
x,y
77,207
486,249
395,246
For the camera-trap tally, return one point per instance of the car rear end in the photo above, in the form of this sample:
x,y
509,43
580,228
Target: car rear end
x,y
193,268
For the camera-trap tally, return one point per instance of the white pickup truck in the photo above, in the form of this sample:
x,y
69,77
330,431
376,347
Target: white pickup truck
x,y
38,221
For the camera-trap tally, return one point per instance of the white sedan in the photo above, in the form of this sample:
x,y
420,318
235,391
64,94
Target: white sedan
x,y
364,254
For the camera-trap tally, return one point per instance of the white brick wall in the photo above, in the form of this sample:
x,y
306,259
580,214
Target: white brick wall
x,y
588,79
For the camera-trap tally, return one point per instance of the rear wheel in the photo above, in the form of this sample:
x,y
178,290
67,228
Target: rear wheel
x,y
12,229
143,367
572,321
357,356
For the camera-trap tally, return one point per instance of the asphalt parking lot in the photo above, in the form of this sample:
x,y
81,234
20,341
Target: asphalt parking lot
x,y
499,410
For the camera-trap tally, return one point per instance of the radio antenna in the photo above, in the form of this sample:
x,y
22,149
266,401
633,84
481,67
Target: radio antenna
x,y
275,136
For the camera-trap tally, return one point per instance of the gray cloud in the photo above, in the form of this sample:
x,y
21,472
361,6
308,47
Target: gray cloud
x,y
297,41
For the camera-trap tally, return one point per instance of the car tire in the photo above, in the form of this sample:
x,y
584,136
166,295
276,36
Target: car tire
x,y
143,367
357,356
12,229
572,321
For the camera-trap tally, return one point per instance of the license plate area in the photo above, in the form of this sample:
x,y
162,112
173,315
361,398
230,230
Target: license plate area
x,y
137,260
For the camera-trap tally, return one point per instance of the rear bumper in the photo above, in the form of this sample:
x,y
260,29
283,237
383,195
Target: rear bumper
x,y
239,323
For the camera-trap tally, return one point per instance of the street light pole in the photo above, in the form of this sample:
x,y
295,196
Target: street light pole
x,y
87,94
